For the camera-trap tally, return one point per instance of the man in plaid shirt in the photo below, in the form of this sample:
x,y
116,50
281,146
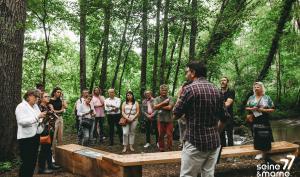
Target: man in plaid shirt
x,y
202,104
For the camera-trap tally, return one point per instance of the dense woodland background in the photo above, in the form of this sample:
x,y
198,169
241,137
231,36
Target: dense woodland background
x,y
140,44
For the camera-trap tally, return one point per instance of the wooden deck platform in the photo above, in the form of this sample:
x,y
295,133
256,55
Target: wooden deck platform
x,y
92,162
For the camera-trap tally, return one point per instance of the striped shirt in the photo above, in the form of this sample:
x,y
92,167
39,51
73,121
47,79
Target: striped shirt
x,y
202,104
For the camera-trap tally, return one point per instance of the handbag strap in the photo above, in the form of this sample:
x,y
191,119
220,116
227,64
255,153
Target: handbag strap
x,y
130,111
259,101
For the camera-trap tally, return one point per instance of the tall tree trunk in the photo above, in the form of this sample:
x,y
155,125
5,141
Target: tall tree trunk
x,y
12,27
121,45
238,72
171,59
47,42
144,47
165,43
179,58
229,20
82,44
95,66
155,59
43,17
298,99
193,34
126,58
284,17
47,52
103,76
278,77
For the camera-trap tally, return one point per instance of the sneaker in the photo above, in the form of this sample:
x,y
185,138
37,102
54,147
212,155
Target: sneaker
x,y
180,146
258,156
46,171
54,167
147,145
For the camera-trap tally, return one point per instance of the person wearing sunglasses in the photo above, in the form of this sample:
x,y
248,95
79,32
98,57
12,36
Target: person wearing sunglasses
x,y
45,154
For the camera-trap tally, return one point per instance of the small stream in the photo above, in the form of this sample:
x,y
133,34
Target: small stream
x,y
286,130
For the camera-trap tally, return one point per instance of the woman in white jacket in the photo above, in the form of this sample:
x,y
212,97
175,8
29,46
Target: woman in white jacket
x,y
28,117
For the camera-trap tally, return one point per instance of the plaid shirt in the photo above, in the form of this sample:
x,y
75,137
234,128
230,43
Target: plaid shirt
x,y
202,104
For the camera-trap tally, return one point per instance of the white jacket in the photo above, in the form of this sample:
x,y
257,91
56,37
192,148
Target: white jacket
x,y
27,120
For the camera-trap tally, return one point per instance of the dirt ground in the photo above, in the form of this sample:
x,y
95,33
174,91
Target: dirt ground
x,y
237,167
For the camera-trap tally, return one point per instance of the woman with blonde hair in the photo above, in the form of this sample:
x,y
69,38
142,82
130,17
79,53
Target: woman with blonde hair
x,y
260,106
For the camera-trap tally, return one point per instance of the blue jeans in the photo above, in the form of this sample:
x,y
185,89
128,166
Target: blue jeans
x,y
86,134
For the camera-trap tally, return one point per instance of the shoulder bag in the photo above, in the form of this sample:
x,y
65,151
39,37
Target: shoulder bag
x,y
123,121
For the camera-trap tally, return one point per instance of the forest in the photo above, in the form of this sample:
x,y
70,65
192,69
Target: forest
x,y
141,44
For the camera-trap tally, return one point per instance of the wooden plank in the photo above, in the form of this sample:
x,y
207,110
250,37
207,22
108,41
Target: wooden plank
x,y
247,150
175,156
63,155
91,162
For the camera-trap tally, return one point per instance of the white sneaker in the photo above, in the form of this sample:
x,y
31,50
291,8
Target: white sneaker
x,y
147,145
258,156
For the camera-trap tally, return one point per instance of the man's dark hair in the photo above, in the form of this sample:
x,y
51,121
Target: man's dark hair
x,y
198,67
39,85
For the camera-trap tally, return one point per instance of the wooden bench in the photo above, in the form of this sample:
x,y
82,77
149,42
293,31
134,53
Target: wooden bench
x,y
92,162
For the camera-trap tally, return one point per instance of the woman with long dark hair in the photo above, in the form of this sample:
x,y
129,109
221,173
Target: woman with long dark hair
x,y
130,111
59,106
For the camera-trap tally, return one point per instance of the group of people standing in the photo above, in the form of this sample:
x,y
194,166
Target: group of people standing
x,y
155,112
200,109
40,129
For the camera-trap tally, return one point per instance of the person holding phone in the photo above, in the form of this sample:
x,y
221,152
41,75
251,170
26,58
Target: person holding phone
x,y
29,118
86,111
45,155
261,105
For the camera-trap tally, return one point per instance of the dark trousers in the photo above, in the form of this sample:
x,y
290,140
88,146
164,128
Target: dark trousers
x,y
99,123
77,123
229,131
45,155
113,120
150,127
28,152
